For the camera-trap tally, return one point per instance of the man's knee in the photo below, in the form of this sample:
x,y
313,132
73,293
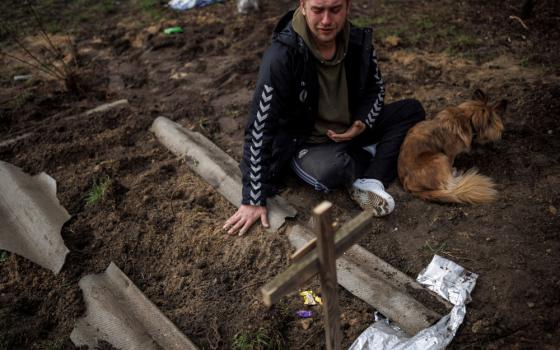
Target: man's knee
x,y
325,174
415,110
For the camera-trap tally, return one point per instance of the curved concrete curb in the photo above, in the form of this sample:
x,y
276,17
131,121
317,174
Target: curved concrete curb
x,y
377,283
215,166
118,313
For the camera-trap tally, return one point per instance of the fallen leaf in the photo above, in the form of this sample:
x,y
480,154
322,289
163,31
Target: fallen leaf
x,y
393,40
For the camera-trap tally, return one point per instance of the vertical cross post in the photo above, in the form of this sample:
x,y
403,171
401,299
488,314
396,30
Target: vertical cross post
x,y
327,272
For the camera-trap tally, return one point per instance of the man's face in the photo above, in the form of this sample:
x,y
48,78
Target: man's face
x,y
325,18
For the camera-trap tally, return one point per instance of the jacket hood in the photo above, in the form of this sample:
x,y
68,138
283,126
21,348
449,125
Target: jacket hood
x,y
283,31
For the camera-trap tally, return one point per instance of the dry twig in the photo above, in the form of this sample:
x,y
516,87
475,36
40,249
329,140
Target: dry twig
x,y
520,21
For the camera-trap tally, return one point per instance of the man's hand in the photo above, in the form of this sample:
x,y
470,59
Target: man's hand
x,y
356,129
245,217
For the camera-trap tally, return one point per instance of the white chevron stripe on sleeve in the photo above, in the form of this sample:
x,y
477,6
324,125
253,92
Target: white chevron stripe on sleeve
x,y
265,97
257,135
255,152
257,138
264,108
258,126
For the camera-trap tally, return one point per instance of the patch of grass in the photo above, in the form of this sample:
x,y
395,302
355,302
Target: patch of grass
x,y
424,23
525,62
98,191
364,21
4,255
433,248
53,345
259,339
464,40
152,8
22,99
83,11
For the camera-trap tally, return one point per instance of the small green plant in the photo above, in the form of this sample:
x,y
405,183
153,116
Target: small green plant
x,y
4,255
151,7
363,21
21,99
98,191
259,339
463,40
424,24
57,344
434,249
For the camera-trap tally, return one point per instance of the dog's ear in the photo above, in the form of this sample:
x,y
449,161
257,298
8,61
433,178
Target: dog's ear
x,y
479,95
500,107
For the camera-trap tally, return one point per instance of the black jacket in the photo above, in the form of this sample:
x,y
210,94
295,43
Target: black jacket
x,y
286,100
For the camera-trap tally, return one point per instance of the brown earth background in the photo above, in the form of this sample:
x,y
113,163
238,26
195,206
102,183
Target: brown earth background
x,y
161,224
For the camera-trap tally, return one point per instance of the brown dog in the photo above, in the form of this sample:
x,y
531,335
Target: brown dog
x,y
430,147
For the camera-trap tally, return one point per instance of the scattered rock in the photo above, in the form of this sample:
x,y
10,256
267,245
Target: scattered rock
x,y
306,323
552,210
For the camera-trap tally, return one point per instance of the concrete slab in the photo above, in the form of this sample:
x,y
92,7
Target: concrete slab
x,y
377,283
120,314
31,217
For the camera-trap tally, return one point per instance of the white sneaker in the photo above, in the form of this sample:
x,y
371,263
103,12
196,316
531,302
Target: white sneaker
x,y
370,195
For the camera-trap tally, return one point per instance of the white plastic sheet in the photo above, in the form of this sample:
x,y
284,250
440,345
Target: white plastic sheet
x,y
244,6
182,5
443,277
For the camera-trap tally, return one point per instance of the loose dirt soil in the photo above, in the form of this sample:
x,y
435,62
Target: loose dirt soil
x,y
161,224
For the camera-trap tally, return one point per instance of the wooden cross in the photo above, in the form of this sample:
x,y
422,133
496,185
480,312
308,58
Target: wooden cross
x,y
319,256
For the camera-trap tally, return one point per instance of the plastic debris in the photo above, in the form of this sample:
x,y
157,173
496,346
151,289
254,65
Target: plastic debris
x,y
451,282
182,5
23,77
173,30
244,6
318,300
304,313
310,298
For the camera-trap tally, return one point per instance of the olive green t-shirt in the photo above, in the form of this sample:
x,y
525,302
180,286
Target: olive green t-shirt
x,y
333,111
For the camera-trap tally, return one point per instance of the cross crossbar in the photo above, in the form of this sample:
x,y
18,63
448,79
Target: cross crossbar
x,y
308,265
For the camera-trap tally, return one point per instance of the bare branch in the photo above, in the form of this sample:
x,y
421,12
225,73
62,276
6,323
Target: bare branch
x,y
42,68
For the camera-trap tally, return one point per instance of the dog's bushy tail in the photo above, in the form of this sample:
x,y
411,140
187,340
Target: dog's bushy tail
x,y
469,187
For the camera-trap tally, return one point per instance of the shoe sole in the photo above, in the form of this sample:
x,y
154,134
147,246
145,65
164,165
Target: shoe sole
x,y
374,202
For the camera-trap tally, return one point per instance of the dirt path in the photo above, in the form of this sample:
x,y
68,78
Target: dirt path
x,y
161,224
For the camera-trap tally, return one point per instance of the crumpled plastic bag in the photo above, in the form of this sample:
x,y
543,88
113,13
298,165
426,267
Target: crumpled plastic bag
x,y
444,277
244,6
182,5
